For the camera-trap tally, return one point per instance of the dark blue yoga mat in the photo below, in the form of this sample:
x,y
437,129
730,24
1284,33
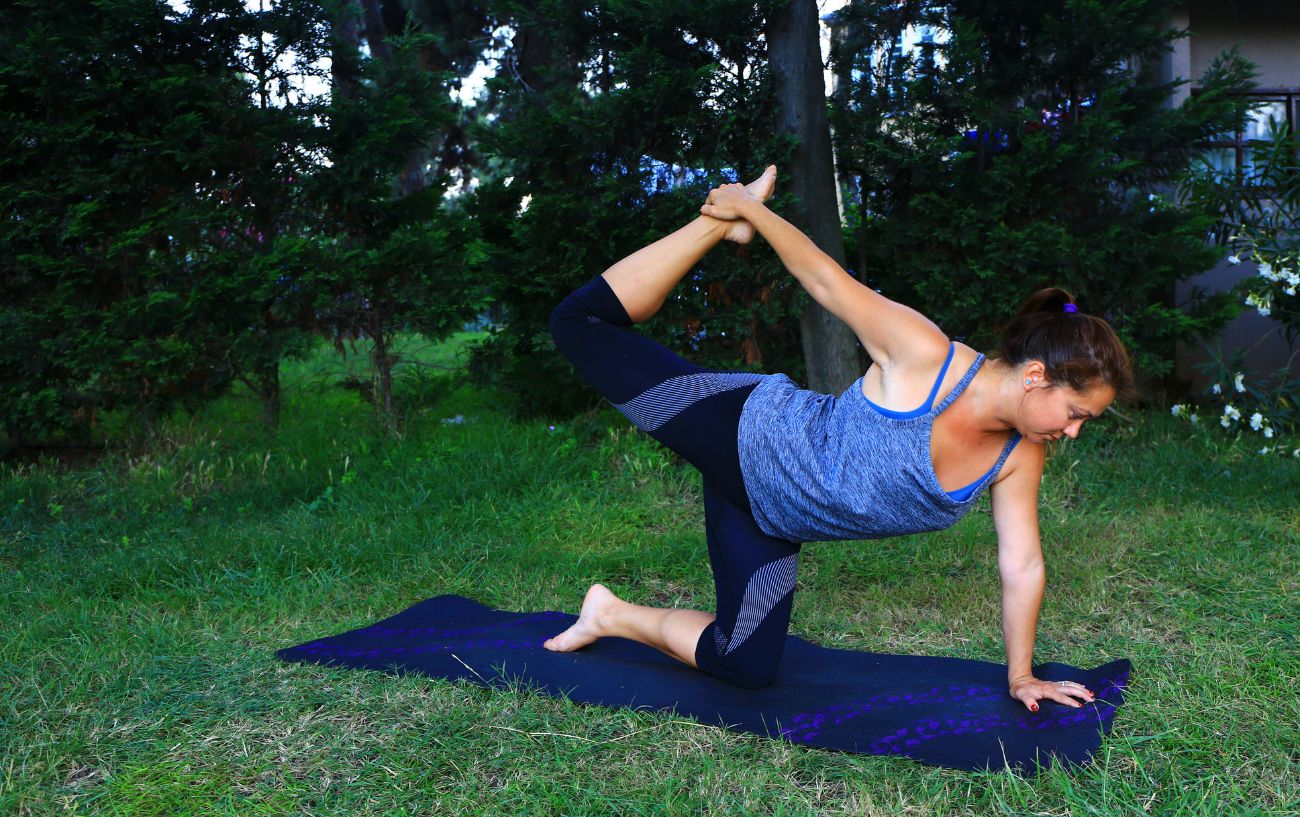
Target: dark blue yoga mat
x,y
941,711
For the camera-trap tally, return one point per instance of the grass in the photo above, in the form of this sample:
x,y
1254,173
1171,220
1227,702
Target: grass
x,y
145,595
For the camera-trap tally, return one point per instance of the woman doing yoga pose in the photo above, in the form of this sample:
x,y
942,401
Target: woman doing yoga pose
x,y
783,465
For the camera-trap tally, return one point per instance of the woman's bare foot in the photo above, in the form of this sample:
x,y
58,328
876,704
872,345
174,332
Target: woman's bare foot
x,y
741,231
598,602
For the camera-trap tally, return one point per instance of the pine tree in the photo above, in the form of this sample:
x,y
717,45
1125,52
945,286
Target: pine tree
x,y
1027,145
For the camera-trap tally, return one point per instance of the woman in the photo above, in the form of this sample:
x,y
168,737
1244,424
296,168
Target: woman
x,y
783,466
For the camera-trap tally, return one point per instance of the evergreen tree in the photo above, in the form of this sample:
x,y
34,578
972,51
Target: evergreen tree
x,y
1024,145
110,140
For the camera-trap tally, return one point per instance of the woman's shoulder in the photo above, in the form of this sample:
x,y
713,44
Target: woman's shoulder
x,y
1024,464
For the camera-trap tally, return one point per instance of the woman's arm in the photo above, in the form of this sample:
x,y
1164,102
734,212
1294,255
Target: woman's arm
x,y
1020,566
891,332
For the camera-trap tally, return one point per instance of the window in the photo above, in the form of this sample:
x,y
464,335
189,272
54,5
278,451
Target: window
x,y
1277,108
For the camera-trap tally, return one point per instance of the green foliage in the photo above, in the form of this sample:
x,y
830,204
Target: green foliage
x,y
1027,146
182,213
109,138
1257,209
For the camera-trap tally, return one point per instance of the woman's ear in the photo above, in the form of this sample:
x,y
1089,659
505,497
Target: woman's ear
x,y
1034,373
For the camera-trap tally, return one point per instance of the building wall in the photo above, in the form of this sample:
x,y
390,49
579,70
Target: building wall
x,y
1266,31
1263,338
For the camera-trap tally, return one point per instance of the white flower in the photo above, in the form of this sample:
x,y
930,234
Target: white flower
x,y
1264,450
1217,389
1230,411
1239,383
1194,419
1233,259
1268,432
1178,410
1289,290
1260,302
1266,271
1296,453
1151,197
1256,421
1293,278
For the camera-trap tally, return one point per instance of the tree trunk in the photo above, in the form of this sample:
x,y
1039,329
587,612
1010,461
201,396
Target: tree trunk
x,y
794,48
383,363
268,382
343,55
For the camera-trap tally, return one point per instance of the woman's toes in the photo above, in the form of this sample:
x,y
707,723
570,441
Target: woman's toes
x,y
762,187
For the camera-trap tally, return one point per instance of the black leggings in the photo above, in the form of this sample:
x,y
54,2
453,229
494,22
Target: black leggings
x,y
695,412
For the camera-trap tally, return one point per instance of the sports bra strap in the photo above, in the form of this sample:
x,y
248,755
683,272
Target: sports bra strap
x,y
929,401
961,385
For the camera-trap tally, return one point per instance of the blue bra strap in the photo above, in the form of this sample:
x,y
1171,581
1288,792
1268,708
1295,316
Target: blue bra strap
x,y
929,401
963,494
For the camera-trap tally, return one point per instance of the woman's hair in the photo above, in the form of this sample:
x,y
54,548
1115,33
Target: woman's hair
x,y
1080,351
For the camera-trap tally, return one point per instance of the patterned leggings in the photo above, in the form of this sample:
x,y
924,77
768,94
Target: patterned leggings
x,y
695,412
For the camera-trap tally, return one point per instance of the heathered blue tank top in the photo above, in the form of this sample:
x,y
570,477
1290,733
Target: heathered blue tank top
x,y
819,468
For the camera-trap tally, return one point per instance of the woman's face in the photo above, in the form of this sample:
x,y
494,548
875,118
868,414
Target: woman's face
x,y
1050,412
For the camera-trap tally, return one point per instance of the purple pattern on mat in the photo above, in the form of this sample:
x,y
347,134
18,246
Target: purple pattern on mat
x,y
808,726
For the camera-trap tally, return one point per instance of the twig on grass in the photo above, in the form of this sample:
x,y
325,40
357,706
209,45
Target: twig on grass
x,y
471,669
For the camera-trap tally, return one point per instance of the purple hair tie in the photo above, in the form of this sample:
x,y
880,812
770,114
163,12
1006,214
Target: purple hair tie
x,y
1071,308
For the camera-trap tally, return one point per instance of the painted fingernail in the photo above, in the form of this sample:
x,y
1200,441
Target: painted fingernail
x,y
1034,707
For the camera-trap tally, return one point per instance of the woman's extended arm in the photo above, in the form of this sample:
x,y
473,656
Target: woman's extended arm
x,y
1020,566
891,332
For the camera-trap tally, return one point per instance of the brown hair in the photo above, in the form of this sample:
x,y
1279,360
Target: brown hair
x,y
1078,350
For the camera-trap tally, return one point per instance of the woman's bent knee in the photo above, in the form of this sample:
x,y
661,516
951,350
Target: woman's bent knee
x,y
748,668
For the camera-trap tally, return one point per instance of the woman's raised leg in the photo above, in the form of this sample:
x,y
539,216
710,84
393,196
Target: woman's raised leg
x,y
643,280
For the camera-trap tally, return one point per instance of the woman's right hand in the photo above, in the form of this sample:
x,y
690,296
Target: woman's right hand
x,y
1029,690
728,202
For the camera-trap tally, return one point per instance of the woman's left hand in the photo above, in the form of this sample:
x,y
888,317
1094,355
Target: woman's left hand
x,y
1029,691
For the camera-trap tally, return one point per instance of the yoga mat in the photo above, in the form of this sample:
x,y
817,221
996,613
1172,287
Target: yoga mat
x,y
941,711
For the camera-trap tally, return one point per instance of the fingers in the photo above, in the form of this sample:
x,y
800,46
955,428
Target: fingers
x,y
1029,700
1068,693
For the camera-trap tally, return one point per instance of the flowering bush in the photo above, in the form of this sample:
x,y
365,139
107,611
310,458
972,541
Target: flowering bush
x,y
1267,229
1263,412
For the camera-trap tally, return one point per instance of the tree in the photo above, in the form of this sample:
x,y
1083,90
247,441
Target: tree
x,y
1021,145
391,254
794,48
113,137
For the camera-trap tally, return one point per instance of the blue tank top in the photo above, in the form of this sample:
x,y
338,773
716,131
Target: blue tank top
x,y
819,467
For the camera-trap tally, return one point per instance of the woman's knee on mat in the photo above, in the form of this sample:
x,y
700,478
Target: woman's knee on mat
x,y
749,668
748,674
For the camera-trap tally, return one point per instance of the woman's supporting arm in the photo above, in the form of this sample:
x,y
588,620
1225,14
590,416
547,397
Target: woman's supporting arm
x,y
1020,566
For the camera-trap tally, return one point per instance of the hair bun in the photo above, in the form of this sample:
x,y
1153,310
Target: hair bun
x,y
1051,300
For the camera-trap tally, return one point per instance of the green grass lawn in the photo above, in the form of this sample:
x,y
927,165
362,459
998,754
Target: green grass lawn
x,y
144,596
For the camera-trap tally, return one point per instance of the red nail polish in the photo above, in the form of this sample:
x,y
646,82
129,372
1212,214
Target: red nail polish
x,y
1034,707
